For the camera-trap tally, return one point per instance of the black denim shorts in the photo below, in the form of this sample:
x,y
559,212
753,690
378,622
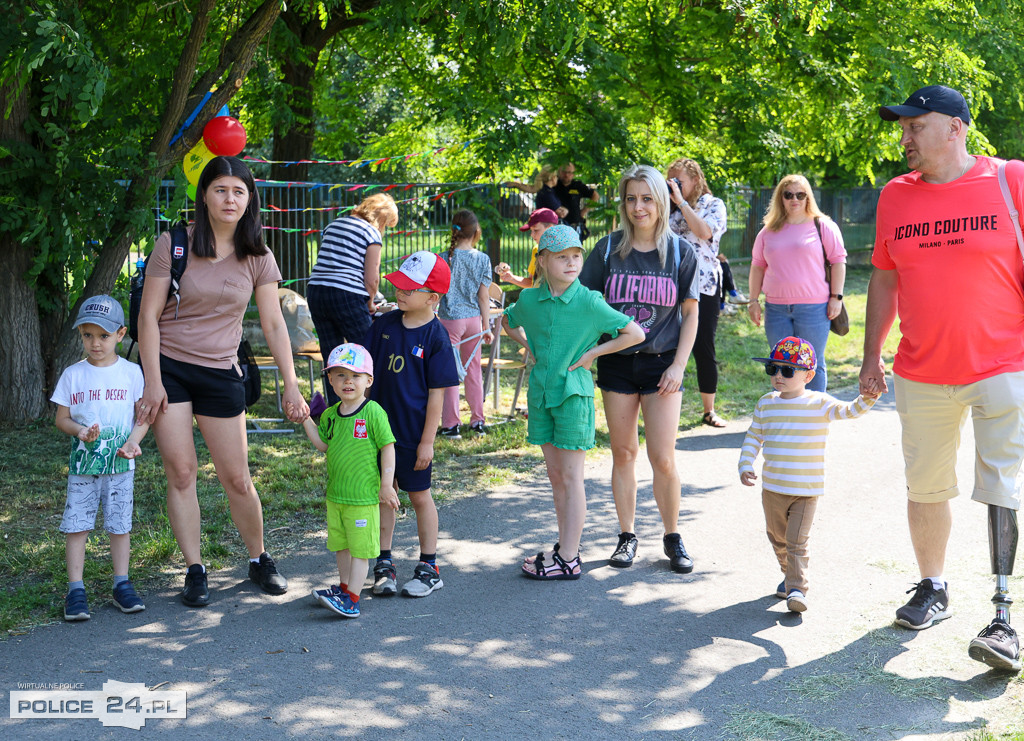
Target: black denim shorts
x,y
214,392
638,373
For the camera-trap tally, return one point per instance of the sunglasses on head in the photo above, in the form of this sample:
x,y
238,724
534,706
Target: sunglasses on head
x,y
787,370
790,195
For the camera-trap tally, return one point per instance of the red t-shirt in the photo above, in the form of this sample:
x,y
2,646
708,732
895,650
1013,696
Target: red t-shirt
x,y
961,274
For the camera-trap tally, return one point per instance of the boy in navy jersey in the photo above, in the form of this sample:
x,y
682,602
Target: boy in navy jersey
x,y
414,362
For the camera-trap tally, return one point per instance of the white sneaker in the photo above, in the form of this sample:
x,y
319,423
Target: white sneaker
x,y
384,579
796,601
727,310
739,298
425,579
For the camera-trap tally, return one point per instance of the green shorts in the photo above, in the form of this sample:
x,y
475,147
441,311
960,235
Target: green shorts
x,y
569,426
354,528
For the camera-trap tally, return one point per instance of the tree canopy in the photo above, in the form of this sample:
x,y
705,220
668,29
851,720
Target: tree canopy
x,y
94,94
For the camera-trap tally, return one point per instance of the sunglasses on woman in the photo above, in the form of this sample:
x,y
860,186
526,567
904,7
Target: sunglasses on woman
x,y
787,371
790,195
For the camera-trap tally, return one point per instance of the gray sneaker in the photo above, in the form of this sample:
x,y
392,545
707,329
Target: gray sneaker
x,y
625,551
425,579
385,580
997,646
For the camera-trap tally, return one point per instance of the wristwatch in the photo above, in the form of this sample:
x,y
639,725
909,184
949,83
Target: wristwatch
x,y
837,295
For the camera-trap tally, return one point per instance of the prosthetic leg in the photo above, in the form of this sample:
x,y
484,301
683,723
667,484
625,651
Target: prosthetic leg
x,y
997,645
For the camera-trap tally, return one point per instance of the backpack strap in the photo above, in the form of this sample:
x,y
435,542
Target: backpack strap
x,y
179,261
1004,188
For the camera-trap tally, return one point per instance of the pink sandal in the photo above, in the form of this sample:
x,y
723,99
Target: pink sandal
x,y
559,570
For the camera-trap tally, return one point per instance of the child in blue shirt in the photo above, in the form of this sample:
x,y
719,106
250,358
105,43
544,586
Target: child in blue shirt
x,y
414,363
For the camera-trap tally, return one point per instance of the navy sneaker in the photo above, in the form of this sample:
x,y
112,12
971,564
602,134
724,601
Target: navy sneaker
x,y
76,606
126,599
319,595
928,606
342,605
780,591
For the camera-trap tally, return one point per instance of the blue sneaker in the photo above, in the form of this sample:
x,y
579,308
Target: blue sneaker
x,y
343,605
126,599
320,596
76,606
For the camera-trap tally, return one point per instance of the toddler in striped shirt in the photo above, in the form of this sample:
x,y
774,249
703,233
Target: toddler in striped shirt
x,y
790,426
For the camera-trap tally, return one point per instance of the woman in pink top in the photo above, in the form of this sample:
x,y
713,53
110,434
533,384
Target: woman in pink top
x,y
188,349
788,263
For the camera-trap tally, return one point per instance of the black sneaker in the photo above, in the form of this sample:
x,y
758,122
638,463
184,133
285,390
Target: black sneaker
x,y
927,606
264,575
997,646
624,552
479,428
195,592
385,579
452,433
678,558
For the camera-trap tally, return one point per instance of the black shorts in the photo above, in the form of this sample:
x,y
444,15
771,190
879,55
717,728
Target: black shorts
x,y
214,392
638,373
409,479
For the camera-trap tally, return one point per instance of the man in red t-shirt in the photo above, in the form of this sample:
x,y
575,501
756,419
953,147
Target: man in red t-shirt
x,y
946,256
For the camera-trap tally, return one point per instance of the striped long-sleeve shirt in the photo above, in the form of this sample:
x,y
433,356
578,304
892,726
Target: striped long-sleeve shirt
x,y
791,434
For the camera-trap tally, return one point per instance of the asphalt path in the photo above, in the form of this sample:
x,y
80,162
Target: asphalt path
x,y
622,653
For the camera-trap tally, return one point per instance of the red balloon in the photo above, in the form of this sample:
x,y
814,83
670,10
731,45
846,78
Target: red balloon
x,y
224,136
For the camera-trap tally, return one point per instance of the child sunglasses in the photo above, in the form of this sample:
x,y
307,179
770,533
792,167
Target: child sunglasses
x,y
787,370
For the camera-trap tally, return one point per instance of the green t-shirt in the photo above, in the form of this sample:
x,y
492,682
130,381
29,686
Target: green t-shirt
x,y
353,445
559,329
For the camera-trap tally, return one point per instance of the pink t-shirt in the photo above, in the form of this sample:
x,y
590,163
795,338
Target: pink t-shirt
x,y
961,300
214,295
793,261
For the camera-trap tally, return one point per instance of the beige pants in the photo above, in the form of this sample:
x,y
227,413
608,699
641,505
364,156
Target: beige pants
x,y
788,524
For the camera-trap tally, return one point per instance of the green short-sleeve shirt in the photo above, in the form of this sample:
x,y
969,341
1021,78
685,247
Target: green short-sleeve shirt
x,y
353,443
559,329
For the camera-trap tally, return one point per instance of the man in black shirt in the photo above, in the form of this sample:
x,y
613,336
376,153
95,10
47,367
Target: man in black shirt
x,y
570,192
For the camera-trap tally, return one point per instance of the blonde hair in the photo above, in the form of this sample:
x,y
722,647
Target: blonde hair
x,y
543,176
659,189
775,217
691,168
378,209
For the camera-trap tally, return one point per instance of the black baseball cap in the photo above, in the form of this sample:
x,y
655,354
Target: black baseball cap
x,y
937,98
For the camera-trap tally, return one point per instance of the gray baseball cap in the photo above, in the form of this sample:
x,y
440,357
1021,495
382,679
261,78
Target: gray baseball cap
x,y
102,311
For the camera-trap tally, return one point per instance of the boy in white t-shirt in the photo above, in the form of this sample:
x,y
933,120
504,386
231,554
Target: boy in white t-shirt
x,y
95,401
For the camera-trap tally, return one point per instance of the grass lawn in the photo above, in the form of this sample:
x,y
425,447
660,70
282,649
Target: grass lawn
x,y
290,476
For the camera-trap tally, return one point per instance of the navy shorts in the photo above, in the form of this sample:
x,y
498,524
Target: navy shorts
x,y
408,479
637,373
214,392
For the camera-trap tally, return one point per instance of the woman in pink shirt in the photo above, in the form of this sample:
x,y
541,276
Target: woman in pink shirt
x,y
788,263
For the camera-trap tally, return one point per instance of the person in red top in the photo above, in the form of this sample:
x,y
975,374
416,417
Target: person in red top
x,y
946,258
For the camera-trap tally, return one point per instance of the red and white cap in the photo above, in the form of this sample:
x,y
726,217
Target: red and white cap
x,y
352,356
422,270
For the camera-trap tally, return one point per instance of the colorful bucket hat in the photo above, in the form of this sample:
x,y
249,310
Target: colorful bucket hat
x,y
559,237
792,351
352,356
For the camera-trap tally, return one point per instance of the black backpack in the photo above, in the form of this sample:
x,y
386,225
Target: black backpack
x,y
179,260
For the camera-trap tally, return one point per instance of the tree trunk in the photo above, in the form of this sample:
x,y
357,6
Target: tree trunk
x,y
20,336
